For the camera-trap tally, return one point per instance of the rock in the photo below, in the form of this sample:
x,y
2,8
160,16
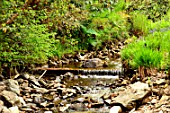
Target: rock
x,y
132,94
65,107
163,101
22,101
25,76
14,109
24,84
68,75
40,90
1,103
160,81
1,77
38,99
79,107
33,80
115,109
167,91
10,98
2,86
12,85
96,97
48,112
43,82
93,63
4,109
57,100
27,110
43,104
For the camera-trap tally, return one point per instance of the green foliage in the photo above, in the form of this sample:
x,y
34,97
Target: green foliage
x,y
140,23
151,52
154,9
31,45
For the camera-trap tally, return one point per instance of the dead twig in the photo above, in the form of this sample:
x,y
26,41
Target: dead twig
x,y
42,74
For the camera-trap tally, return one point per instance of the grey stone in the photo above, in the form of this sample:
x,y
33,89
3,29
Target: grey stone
x,y
34,81
2,86
10,98
134,92
92,63
12,85
25,76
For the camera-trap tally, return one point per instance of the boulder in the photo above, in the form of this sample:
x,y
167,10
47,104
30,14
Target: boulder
x,y
133,95
12,85
93,63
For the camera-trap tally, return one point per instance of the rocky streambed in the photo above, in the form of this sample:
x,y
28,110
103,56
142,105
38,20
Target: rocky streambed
x,y
96,87
72,93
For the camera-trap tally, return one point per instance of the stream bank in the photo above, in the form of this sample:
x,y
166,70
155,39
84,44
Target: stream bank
x,y
84,90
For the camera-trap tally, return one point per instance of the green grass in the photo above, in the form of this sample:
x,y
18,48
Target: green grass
x,y
151,52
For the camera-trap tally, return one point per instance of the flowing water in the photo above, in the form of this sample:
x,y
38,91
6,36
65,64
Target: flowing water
x,y
87,76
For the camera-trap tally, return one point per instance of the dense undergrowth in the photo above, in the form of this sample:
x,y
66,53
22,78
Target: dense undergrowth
x,y
152,50
33,31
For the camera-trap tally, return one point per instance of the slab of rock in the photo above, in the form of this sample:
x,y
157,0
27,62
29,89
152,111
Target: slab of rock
x,y
12,85
132,95
4,109
10,98
14,109
93,63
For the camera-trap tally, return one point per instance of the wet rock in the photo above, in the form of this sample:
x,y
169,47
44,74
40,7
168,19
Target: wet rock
x,y
58,79
14,109
68,75
132,94
97,96
93,63
10,98
12,85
